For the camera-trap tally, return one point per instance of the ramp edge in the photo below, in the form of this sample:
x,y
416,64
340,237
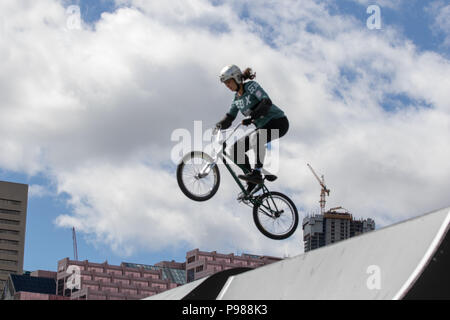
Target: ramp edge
x,y
225,288
425,259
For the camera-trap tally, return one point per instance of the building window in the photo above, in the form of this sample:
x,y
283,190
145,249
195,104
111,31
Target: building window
x,y
10,252
9,242
191,259
190,275
12,212
114,272
199,269
7,272
60,286
10,202
12,232
8,262
11,222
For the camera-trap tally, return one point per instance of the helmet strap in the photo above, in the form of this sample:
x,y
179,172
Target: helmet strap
x,y
238,85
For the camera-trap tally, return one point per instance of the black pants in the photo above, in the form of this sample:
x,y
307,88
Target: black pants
x,y
274,129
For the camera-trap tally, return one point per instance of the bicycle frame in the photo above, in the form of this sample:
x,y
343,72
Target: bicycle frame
x,y
272,204
225,158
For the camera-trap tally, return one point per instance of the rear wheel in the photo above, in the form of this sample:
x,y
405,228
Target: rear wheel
x,y
198,176
275,215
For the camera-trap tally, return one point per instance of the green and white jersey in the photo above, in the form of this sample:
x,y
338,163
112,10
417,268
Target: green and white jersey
x,y
253,94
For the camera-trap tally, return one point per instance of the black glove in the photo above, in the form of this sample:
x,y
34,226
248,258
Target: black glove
x,y
247,121
226,122
261,109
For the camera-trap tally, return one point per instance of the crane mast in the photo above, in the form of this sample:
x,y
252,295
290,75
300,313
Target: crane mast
x,y
324,191
75,248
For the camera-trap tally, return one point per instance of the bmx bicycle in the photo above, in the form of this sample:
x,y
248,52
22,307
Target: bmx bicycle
x,y
198,176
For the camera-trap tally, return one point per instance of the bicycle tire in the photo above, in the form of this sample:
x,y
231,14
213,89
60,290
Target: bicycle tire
x,y
293,211
181,168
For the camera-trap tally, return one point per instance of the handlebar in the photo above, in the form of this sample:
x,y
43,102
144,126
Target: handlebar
x,y
217,130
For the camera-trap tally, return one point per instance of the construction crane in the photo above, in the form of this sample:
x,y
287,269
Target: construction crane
x,y
325,191
75,249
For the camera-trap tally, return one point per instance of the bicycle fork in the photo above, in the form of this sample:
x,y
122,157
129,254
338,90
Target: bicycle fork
x,y
206,170
274,212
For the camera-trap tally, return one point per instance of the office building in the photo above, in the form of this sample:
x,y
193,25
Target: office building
x,y
13,214
333,226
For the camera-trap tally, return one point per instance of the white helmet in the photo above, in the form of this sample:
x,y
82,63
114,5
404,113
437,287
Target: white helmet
x,y
231,71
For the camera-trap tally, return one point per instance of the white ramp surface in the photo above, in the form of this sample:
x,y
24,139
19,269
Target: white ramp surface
x,y
177,293
381,264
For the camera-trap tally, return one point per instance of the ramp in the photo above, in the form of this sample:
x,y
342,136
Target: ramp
x,y
202,289
178,293
408,260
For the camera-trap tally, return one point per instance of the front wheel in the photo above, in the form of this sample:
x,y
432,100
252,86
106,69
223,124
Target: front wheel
x,y
198,176
275,215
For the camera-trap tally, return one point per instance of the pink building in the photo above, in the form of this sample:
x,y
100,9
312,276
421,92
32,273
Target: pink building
x,y
84,280
200,264
101,281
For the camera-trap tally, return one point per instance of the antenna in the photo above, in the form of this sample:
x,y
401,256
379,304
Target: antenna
x,y
323,192
75,249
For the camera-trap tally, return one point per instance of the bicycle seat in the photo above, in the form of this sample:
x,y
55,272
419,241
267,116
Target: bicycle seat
x,y
270,177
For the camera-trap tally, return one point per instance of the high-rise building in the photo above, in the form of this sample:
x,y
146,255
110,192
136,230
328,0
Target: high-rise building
x,y
13,214
333,226
361,226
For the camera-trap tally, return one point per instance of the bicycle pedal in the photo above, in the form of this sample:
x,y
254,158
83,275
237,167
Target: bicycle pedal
x,y
271,177
241,197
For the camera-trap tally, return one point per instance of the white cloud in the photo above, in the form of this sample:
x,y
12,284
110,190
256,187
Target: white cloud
x,y
139,207
96,107
441,26
391,4
38,191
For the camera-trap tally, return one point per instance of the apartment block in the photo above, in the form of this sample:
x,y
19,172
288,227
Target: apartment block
x,y
13,213
331,227
361,226
337,226
200,264
102,281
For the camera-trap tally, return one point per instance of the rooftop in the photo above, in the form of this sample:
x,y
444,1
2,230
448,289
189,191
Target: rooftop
x,y
173,275
27,283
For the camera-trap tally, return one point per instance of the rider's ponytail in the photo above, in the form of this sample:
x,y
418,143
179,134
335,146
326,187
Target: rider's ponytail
x,y
248,74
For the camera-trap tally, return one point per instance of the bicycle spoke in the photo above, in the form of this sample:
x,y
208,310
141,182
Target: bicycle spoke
x,y
198,186
198,177
276,225
269,211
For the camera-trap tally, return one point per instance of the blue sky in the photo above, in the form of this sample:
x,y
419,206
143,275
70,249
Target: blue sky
x,y
92,10
47,242
411,18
